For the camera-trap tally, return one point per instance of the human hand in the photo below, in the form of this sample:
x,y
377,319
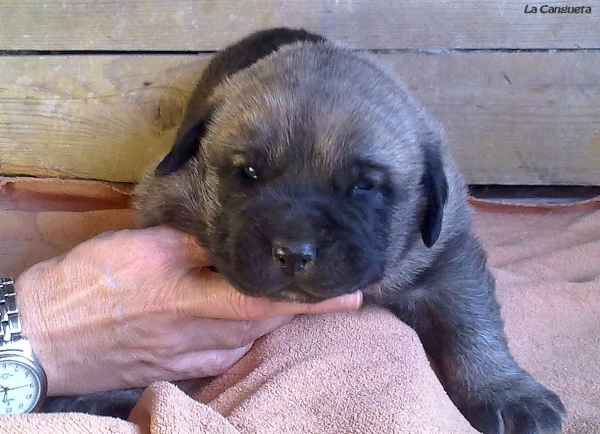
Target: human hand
x,y
128,308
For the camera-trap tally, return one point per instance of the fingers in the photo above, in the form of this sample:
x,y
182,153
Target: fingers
x,y
203,293
182,248
256,308
256,329
206,333
344,303
208,294
163,245
193,252
184,366
231,340
207,363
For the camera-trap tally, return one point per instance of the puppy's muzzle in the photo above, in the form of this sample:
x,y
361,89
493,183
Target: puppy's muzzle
x,y
293,256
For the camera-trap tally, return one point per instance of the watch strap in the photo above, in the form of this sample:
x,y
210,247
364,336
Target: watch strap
x,y
13,346
10,325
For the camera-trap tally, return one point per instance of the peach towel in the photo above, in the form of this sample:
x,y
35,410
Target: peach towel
x,y
363,372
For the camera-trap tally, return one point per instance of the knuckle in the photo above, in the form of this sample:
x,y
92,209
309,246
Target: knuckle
x,y
237,334
164,346
243,334
154,249
163,353
219,362
248,334
248,308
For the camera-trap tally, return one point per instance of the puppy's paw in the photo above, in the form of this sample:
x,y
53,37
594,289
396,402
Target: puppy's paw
x,y
516,406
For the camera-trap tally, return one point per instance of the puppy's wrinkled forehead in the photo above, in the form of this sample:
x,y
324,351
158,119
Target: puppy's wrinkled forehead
x,y
313,106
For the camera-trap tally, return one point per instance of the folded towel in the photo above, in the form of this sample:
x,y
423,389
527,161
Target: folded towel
x,y
361,372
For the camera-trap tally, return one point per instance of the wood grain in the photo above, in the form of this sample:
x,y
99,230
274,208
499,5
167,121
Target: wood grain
x,y
511,118
514,118
99,117
206,25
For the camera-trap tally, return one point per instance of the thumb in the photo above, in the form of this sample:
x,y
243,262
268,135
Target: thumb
x,y
206,294
250,308
181,248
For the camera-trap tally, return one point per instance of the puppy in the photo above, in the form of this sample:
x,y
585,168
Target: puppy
x,y
308,171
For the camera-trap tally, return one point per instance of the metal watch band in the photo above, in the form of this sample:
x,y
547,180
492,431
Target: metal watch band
x,y
10,325
16,350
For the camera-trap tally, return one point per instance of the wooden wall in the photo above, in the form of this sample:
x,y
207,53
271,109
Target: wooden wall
x,y
95,89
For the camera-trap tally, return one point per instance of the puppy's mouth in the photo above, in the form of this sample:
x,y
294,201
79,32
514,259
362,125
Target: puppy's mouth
x,y
293,292
296,294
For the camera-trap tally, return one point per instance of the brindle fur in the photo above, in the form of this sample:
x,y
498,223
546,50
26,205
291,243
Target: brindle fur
x,y
352,171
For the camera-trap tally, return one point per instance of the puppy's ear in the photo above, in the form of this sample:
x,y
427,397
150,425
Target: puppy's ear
x,y
435,187
186,146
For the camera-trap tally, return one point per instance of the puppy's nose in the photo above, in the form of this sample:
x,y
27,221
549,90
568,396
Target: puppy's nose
x,y
293,256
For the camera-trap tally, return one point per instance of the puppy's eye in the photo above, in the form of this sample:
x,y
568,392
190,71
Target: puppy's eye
x,y
363,186
250,172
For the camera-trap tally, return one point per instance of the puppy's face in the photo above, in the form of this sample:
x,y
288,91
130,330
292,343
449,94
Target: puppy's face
x,y
307,181
294,221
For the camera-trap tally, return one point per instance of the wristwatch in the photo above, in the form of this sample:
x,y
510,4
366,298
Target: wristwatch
x,y
22,380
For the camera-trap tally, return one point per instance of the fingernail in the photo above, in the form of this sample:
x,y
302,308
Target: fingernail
x,y
358,299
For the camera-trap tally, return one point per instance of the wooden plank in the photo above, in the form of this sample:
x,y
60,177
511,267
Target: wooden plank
x,y
511,118
205,25
514,118
98,117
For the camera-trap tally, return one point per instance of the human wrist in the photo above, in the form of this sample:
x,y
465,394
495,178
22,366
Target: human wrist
x,y
24,380
34,321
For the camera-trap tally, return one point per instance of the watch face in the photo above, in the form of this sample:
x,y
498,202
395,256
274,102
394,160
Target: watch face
x,y
20,387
